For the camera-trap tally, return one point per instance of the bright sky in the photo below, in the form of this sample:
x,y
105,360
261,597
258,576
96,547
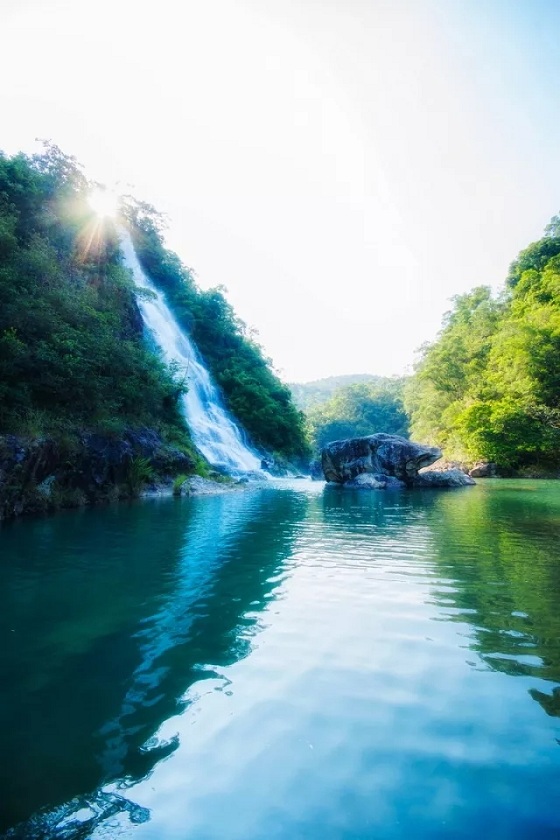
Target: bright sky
x,y
343,167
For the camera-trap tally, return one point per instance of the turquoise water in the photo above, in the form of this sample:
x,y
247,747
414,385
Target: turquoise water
x,y
285,663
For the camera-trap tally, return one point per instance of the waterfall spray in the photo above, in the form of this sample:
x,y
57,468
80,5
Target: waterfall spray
x,y
213,430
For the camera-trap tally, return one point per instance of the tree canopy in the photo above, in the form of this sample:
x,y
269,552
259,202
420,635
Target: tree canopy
x,y
359,409
307,395
489,386
71,347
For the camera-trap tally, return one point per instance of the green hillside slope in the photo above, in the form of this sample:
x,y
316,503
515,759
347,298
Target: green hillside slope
x,y
489,387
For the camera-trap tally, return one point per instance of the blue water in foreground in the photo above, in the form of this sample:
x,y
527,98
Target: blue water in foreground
x,y
285,663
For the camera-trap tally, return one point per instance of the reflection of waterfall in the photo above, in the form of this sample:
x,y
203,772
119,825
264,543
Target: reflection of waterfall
x,y
183,615
213,430
222,517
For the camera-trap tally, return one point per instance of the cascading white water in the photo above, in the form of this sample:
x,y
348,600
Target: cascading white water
x,y
213,431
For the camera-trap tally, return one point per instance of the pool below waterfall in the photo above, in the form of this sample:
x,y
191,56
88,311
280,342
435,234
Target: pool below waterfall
x,y
289,662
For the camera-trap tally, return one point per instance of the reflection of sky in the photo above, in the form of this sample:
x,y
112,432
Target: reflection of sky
x,y
362,710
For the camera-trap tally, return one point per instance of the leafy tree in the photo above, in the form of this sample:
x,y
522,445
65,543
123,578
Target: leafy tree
x,y
307,395
450,369
359,409
489,387
72,353
536,255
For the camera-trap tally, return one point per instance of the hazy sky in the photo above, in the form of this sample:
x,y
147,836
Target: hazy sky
x,y
343,167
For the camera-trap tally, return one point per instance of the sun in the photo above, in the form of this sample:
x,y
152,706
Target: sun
x,y
103,202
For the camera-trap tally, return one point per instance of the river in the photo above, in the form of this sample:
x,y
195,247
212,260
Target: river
x,y
292,662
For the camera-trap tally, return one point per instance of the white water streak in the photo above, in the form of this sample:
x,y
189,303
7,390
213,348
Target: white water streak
x,y
213,430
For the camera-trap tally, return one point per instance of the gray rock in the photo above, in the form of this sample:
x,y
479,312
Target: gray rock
x,y
375,481
485,469
269,465
394,483
443,478
253,475
196,485
105,460
316,470
83,468
366,481
388,455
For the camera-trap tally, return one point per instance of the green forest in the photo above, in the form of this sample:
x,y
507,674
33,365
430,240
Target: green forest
x,y
489,387
359,409
71,348
72,351
308,395
73,354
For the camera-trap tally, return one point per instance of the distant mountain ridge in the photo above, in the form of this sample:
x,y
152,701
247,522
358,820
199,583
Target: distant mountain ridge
x,y
307,395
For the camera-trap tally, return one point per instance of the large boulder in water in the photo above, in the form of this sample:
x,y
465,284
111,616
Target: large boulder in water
x,y
389,455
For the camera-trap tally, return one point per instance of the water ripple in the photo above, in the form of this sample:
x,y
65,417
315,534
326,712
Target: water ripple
x,y
292,662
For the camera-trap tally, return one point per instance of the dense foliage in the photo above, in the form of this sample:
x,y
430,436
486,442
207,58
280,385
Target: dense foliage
x,y
307,395
72,354
71,347
363,408
489,387
253,393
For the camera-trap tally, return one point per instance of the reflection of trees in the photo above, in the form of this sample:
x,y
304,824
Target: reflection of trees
x,y
150,596
549,702
153,593
499,546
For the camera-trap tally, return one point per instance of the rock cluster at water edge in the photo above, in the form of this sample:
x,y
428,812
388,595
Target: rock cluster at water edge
x,y
381,461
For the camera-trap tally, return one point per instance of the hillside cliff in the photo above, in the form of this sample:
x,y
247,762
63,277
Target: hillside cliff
x,y
74,359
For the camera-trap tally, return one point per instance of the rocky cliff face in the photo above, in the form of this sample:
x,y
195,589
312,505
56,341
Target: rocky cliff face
x,y
45,474
382,461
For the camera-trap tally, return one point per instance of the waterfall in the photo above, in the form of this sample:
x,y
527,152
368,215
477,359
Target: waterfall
x,y
213,430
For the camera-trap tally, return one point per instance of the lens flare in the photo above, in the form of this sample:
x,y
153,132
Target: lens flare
x,y
103,203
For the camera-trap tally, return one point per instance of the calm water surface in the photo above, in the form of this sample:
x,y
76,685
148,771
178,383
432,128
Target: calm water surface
x,y
288,663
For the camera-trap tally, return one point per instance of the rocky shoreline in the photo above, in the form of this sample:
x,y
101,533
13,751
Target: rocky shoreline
x,y
42,475
39,475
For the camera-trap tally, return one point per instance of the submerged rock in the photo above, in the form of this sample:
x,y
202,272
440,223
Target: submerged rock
x,y
196,485
375,481
379,454
443,478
